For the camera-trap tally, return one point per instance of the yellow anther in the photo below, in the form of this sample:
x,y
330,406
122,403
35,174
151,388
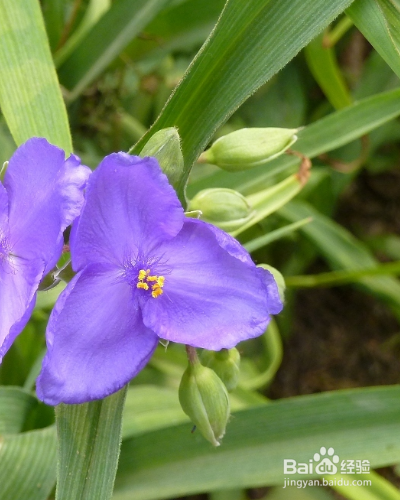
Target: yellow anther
x,y
142,274
152,278
140,284
160,281
156,293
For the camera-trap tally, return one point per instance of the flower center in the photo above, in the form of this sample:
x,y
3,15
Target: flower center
x,y
148,282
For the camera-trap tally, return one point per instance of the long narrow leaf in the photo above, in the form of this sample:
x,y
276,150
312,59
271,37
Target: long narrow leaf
x,y
28,465
361,423
30,97
106,39
15,404
343,251
89,440
379,22
179,26
325,69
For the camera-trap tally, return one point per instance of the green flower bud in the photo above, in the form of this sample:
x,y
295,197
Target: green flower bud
x,y
65,272
248,147
225,363
222,207
59,273
204,399
165,145
280,280
48,282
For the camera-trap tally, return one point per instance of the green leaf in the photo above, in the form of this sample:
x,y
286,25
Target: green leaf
x,y
30,97
178,27
331,132
375,487
165,145
325,69
53,14
337,278
144,406
89,437
93,13
15,404
343,251
105,40
252,41
266,239
379,22
360,423
47,299
270,200
27,465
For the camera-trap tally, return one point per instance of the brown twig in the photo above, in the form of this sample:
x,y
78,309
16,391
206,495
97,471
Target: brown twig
x,y
305,165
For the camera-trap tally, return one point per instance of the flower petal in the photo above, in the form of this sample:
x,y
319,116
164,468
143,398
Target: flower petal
x,y
3,212
230,244
129,207
96,339
45,195
275,304
19,280
210,298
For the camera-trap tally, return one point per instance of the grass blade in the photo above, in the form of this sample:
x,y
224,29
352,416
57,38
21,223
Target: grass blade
x,y
360,423
30,96
89,440
105,40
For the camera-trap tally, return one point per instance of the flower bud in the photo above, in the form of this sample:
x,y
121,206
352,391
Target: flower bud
x,y
48,282
248,147
225,363
165,145
222,207
204,399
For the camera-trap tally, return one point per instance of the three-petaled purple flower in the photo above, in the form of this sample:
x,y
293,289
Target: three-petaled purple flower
x,y
145,272
42,194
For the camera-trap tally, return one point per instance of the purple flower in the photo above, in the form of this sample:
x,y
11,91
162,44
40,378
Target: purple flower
x,y
145,272
42,194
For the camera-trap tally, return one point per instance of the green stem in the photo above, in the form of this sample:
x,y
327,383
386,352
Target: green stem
x,y
335,34
192,355
337,278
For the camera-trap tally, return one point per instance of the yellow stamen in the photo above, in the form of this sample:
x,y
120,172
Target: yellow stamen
x,y
144,278
142,274
156,293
